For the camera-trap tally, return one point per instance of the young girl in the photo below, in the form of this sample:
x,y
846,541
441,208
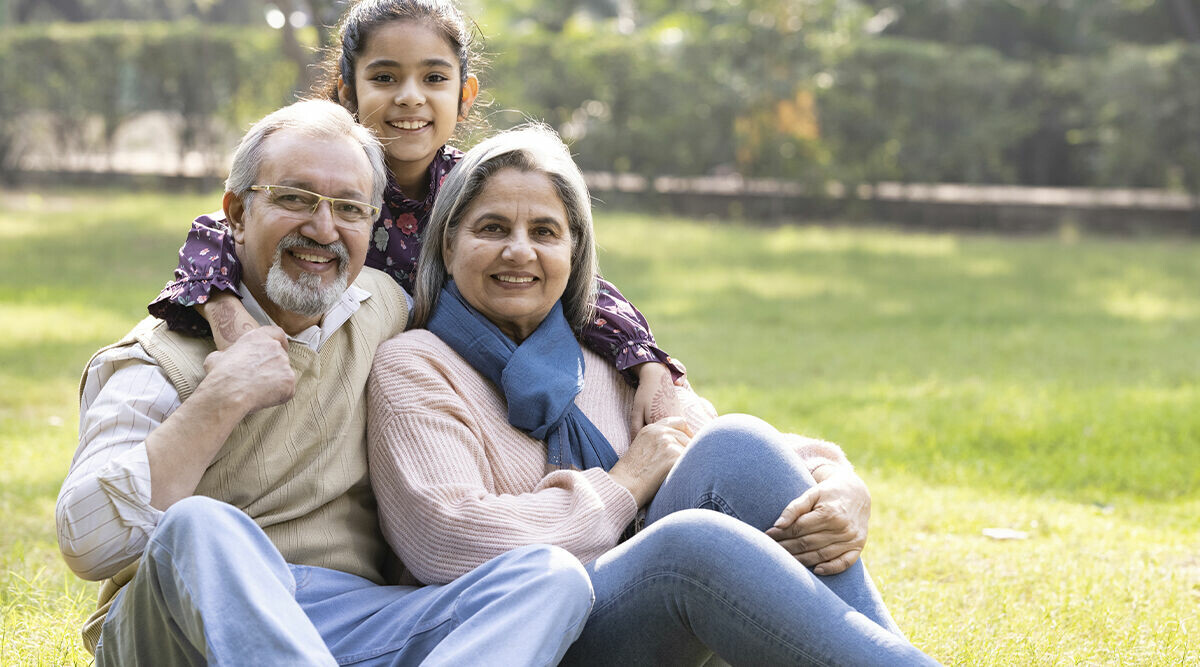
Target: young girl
x,y
404,69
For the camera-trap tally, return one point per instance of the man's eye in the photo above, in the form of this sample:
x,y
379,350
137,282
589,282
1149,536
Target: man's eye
x,y
351,208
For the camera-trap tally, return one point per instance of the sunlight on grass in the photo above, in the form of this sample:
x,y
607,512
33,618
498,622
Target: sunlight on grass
x,y
28,323
1145,306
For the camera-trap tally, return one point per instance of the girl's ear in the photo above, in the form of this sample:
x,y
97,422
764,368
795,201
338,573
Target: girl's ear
x,y
346,96
470,90
235,212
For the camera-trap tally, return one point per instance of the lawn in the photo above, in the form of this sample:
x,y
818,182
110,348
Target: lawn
x,y
1044,385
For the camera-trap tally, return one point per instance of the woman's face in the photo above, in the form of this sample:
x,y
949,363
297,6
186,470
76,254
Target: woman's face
x,y
407,82
511,254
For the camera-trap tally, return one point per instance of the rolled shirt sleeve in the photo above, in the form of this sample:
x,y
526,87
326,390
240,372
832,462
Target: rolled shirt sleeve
x,y
103,514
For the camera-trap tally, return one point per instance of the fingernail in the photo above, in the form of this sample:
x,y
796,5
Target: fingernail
x,y
820,569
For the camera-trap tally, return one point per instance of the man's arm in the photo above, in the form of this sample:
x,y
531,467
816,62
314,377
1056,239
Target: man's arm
x,y
140,450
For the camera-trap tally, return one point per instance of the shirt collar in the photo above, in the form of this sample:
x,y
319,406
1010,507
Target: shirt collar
x,y
316,335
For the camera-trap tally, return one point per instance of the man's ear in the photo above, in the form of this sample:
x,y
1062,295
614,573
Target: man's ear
x,y
235,216
470,90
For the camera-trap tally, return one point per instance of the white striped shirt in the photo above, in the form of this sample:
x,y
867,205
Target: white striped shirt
x,y
103,514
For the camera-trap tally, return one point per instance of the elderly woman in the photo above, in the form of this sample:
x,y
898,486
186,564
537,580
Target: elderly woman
x,y
491,428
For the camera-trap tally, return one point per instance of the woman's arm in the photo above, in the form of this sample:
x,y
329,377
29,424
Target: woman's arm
x,y
457,485
203,297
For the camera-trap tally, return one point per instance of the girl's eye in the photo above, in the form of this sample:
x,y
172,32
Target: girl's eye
x,y
383,78
437,78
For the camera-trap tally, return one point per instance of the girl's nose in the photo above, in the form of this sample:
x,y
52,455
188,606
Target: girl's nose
x,y
410,93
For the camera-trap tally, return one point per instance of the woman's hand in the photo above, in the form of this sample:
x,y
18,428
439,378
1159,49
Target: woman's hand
x,y
227,317
656,397
826,527
650,457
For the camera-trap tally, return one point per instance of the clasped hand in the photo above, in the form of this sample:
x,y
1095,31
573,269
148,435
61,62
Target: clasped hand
x,y
254,372
826,527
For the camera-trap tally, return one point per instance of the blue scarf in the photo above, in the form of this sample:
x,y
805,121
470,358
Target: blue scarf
x,y
540,378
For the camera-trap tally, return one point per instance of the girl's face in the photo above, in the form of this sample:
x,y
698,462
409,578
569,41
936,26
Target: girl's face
x,y
407,80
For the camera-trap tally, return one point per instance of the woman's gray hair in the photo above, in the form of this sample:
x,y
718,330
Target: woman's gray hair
x,y
529,148
319,119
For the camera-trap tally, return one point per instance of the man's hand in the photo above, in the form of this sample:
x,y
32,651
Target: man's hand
x,y
826,527
254,372
655,398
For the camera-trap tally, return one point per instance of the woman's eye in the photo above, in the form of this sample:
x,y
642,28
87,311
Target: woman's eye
x,y
491,228
544,231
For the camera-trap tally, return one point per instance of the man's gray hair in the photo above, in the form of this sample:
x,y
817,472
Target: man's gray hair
x,y
529,148
319,119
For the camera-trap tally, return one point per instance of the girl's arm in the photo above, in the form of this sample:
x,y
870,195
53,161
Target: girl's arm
x,y
456,489
203,297
620,334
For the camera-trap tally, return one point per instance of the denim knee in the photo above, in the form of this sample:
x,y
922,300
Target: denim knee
x,y
558,569
736,437
201,518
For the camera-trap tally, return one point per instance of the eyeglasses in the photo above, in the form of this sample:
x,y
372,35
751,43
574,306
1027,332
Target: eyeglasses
x,y
298,200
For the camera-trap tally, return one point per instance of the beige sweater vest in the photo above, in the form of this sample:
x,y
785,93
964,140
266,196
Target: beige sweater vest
x,y
298,469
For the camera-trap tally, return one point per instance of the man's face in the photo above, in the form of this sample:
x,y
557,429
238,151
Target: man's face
x,y
297,263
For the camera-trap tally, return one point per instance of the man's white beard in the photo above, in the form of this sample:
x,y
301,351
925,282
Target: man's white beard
x,y
306,295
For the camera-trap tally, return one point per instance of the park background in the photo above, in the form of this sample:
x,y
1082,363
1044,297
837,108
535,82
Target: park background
x,y
1028,365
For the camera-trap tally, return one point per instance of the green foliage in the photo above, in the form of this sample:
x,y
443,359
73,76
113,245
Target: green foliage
x,y
1144,117
66,75
908,110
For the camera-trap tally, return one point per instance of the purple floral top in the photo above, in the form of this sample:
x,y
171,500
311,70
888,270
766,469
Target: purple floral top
x,y
207,262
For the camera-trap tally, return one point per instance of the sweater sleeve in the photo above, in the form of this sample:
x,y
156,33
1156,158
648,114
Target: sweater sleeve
x,y
207,264
457,488
816,453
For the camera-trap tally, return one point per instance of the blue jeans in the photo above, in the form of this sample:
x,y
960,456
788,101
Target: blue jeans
x,y
212,588
697,581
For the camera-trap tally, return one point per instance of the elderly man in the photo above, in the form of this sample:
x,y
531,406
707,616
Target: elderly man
x,y
223,496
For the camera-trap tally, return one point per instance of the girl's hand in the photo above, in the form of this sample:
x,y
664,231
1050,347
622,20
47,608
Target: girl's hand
x,y
826,527
651,456
656,397
227,317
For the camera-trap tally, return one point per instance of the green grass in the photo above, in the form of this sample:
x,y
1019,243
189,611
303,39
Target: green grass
x,y
1043,385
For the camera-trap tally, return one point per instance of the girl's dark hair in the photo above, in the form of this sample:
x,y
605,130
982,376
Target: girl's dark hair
x,y
365,16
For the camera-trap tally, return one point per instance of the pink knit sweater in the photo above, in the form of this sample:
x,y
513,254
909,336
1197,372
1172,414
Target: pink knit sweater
x,y
457,485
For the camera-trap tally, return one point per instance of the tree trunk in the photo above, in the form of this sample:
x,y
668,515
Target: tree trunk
x,y
1189,19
